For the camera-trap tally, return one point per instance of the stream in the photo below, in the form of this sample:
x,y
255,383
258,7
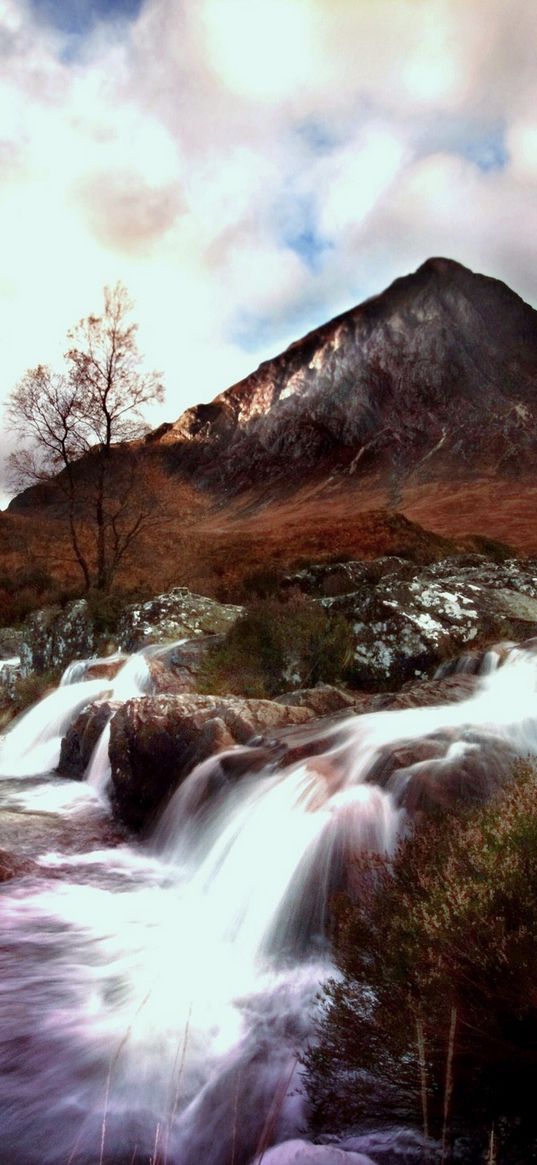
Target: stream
x,y
155,998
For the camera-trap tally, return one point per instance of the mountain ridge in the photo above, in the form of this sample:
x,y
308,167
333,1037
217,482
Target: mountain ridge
x,y
428,366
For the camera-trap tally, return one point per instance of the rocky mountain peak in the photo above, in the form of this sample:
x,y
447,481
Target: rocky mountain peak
x,y
437,374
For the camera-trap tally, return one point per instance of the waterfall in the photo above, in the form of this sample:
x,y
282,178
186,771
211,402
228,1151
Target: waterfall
x,y
154,1002
32,745
99,770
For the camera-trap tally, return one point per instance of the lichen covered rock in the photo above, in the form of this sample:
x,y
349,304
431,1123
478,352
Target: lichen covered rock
x,y
406,622
54,636
175,615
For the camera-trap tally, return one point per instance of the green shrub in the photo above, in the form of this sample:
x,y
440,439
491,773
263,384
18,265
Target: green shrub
x,y
438,961
277,646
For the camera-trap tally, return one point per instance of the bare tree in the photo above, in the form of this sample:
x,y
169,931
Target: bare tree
x,y
74,429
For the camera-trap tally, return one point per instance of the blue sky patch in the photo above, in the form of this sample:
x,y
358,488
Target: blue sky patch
x,y
482,143
316,136
273,333
78,17
295,223
309,246
487,152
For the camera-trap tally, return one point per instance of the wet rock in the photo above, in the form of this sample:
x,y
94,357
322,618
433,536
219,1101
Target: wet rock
x,y
103,669
82,737
449,770
324,699
298,1152
54,636
176,671
426,693
156,741
177,614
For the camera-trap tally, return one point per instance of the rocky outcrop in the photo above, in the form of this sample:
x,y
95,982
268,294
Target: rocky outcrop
x,y
427,773
177,614
156,741
407,622
323,700
54,636
176,671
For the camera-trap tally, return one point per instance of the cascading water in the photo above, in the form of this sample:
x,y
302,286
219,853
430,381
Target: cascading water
x,y
153,1004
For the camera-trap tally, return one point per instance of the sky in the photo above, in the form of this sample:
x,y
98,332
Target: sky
x,y
251,168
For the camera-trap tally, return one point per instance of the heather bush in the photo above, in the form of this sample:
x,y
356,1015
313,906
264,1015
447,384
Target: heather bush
x,y
277,646
22,592
433,1019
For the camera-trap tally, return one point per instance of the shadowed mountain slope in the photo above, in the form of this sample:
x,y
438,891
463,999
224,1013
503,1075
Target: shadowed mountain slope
x,y
437,375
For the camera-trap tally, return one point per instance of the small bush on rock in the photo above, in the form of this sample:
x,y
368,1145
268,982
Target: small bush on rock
x,y
277,646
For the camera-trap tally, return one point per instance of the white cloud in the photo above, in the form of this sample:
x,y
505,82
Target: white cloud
x,y
236,160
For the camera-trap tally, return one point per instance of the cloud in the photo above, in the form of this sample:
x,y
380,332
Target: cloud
x,y
251,167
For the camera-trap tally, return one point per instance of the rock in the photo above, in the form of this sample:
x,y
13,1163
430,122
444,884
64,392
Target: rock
x,y
298,1152
157,740
10,642
54,636
407,624
178,614
177,670
324,700
343,578
103,669
426,693
12,866
429,773
81,738
10,672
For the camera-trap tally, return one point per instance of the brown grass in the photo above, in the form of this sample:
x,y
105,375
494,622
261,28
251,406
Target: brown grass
x,y
211,544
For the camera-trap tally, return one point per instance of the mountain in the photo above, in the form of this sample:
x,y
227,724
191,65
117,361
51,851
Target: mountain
x,y
422,400
435,378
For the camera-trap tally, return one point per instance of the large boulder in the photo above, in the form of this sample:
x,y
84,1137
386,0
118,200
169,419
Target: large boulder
x,y
407,622
54,636
178,614
156,741
298,1152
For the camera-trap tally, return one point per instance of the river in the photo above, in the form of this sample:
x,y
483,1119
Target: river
x,y
155,998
